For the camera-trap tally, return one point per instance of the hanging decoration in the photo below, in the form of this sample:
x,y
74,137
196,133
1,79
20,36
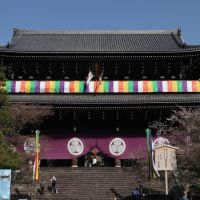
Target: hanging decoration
x,y
37,155
99,86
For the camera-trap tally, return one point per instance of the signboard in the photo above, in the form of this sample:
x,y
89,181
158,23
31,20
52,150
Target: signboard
x,y
5,179
165,158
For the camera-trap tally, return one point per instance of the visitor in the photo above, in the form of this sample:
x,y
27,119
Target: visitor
x,y
17,191
89,161
41,189
189,195
53,185
184,196
140,188
135,193
86,161
114,198
94,161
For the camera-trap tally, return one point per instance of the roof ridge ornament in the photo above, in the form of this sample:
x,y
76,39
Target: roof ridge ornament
x,y
8,45
179,31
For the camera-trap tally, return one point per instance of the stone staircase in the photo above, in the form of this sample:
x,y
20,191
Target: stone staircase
x,y
94,183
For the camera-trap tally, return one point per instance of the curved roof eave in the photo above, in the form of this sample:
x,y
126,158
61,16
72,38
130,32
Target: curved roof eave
x,y
121,99
190,50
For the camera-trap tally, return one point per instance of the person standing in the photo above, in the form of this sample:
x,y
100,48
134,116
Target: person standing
x,y
135,193
140,188
189,195
42,187
53,184
94,161
184,196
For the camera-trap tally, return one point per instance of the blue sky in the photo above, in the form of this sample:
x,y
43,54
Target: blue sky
x,y
101,15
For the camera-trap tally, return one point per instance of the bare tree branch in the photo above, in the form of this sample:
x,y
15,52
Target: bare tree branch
x,y
31,114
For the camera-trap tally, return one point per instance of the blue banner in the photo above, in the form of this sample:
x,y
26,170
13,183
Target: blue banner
x,y
5,180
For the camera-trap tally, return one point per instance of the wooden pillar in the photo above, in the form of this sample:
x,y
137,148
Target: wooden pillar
x,y
166,183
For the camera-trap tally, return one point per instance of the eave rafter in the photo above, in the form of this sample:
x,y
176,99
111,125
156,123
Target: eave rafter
x,y
106,56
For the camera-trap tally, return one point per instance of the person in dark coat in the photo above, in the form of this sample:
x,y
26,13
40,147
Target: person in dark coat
x,y
140,188
53,184
136,193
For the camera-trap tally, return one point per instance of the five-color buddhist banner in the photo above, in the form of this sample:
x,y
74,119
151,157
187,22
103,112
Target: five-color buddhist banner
x,y
148,86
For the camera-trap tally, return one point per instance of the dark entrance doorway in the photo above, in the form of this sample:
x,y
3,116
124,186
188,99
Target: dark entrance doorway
x,y
97,159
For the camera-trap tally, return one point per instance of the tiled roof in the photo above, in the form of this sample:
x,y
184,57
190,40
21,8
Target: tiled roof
x,y
97,41
109,99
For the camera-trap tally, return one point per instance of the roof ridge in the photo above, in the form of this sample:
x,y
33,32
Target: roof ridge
x,y
25,31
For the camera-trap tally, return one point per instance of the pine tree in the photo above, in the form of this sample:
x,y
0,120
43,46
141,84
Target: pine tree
x,y
9,158
4,103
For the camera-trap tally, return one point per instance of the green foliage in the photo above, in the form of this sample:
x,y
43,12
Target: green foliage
x,y
4,119
8,158
13,119
195,188
4,103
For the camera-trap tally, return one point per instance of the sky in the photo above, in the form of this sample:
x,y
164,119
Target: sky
x,y
100,15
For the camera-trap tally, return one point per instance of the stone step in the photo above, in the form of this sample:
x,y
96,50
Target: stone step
x,y
92,183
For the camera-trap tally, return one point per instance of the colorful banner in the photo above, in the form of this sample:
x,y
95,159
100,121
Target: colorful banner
x,y
150,147
147,86
37,155
148,135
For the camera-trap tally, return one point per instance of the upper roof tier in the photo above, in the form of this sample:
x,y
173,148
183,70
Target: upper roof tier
x,y
97,41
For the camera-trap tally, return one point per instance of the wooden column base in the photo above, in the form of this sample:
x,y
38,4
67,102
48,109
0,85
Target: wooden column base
x,y
75,162
118,163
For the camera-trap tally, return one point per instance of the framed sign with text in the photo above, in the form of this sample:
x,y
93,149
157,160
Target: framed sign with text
x,y
165,157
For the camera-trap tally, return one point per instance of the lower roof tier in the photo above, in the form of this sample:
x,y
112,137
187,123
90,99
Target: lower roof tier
x,y
108,99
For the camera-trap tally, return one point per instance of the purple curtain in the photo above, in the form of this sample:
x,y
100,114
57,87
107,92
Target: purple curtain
x,y
123,146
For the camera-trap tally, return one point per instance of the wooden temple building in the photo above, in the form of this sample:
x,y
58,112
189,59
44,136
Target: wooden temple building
x,y
106,87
